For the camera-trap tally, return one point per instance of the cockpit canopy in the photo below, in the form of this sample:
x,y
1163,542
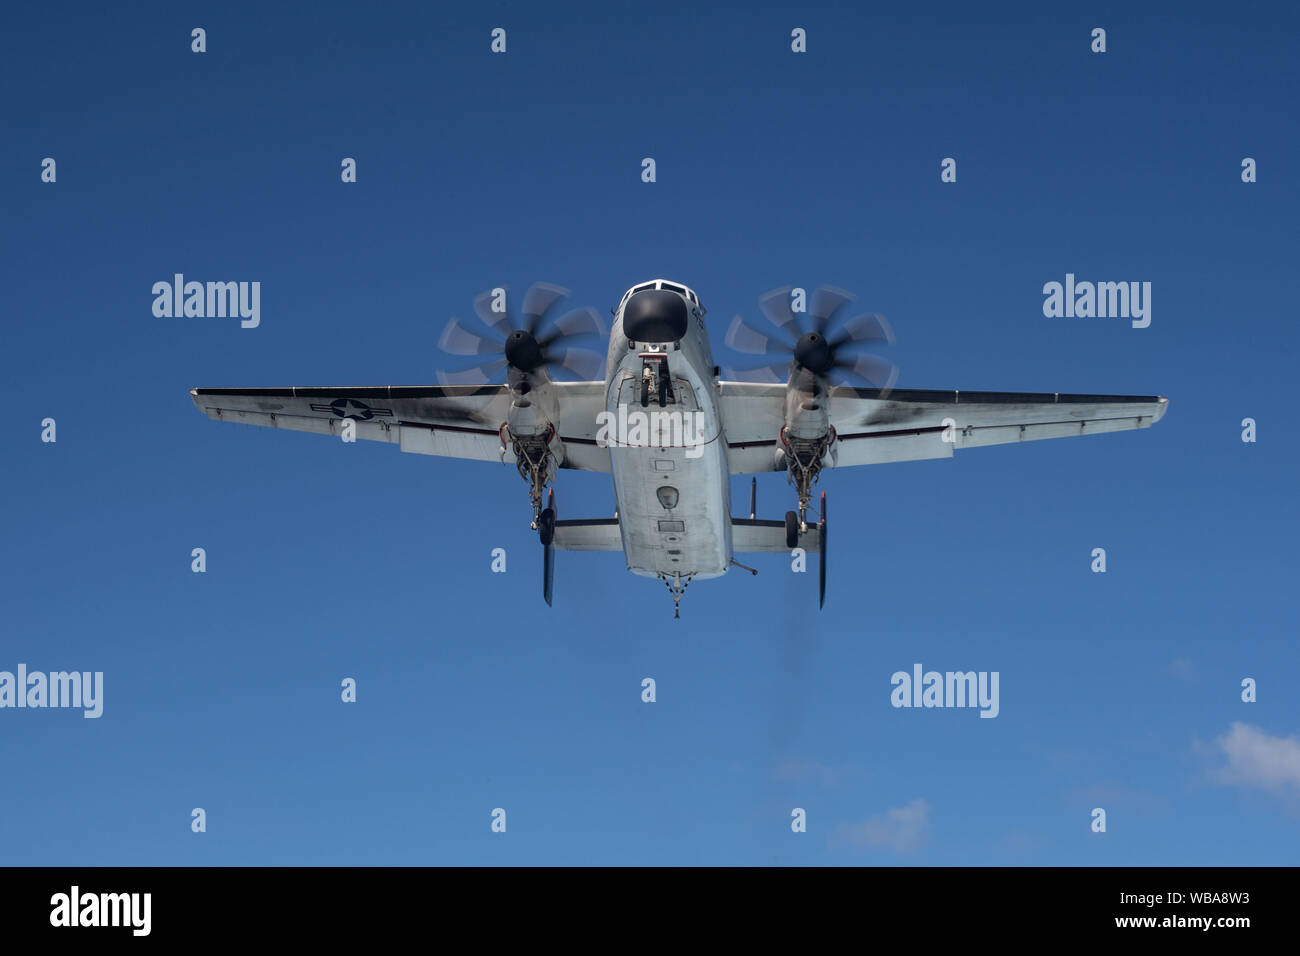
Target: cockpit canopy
x,y
681,290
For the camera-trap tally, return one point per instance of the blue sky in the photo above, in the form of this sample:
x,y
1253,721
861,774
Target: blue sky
x,y
326,561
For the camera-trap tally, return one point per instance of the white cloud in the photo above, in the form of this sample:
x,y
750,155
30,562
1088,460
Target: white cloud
x,y
1257,759
900,829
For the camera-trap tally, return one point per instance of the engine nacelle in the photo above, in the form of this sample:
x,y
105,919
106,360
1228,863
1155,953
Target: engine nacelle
x,y
530,430
805,406
821,451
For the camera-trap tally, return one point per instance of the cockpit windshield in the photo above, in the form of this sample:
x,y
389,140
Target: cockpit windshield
x,y
662,284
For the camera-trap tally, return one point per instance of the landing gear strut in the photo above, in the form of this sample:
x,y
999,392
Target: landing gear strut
x,y
803,458
536,464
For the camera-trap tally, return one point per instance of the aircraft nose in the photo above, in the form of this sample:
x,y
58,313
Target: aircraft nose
x,y
655,315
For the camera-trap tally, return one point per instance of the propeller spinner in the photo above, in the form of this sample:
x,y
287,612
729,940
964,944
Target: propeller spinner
x,y
825,351
533,342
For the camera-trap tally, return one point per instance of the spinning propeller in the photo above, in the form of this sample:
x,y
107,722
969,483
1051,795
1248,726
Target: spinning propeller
x,y
825,348
533,342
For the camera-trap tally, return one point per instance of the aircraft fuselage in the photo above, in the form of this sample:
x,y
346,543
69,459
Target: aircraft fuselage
x,y
667,452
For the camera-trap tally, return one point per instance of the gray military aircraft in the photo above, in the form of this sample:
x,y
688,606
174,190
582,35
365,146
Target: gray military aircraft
x,y
667,427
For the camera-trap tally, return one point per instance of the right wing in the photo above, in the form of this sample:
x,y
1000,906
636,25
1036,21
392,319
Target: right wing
x,y
763,536
875,426
453,421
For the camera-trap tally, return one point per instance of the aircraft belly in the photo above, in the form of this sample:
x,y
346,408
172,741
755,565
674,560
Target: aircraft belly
x,y
693,536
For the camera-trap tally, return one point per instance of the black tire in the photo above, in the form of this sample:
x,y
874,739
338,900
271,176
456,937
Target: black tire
x,y
791,530
645,393
546,526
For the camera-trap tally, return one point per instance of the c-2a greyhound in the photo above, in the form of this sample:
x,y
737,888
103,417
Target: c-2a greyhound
x,y
667,427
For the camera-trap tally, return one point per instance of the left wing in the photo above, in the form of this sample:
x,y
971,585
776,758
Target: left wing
x,y
453,421
588,534
875,426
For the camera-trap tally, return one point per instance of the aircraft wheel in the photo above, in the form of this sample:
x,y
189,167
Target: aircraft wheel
x,y
546,526
791,530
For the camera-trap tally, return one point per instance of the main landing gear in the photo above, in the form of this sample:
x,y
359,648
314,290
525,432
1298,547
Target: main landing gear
x,y
792,532
804,457
535,462
821,563
545,526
